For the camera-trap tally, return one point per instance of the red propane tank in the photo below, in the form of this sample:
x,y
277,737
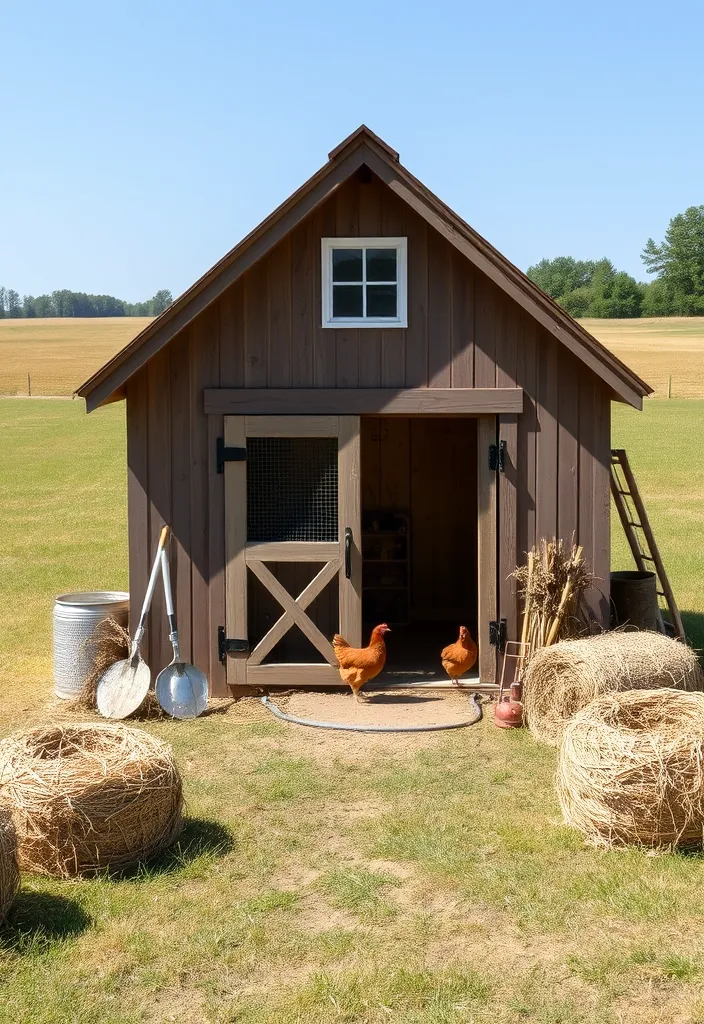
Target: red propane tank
x,y
508,712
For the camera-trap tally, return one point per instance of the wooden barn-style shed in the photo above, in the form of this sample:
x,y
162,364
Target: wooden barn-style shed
x,y
362,413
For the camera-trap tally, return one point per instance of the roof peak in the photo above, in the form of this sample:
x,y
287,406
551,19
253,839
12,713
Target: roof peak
x,y
363,134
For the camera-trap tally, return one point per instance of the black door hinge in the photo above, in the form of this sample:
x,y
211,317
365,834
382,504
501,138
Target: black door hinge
x,y
224,454
227,646
497,634
497,457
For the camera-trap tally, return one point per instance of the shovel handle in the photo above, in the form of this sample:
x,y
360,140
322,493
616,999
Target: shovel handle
x,y
139,632
170,613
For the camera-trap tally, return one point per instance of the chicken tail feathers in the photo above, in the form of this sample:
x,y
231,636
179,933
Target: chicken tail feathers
x,y
339,642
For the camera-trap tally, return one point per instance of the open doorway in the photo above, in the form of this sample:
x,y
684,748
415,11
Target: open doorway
x,y
419,537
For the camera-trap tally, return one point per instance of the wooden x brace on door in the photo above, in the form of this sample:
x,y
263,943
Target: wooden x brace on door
x,y
294,610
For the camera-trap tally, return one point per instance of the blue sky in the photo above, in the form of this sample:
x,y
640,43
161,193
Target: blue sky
x,y
140,141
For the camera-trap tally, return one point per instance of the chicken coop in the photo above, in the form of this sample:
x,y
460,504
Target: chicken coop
x,y
363,413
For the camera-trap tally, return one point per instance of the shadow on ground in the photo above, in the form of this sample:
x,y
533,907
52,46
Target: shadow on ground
x,y
693,623
398,699
37,916
201,837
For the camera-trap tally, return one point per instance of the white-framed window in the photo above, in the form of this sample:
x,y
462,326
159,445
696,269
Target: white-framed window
x,y
364,282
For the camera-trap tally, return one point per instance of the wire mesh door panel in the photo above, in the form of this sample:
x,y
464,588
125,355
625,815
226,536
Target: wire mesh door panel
x,y
292,485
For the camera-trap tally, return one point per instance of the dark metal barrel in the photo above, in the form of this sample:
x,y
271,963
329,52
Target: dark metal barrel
x,y
634,600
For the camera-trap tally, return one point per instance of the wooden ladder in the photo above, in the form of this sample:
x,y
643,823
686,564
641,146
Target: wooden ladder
x,y
639,534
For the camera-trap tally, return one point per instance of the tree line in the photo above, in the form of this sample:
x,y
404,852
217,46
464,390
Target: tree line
x,y
67,303
595,288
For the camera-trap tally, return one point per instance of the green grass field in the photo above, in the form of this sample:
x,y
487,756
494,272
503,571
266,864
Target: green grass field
x,y
418,880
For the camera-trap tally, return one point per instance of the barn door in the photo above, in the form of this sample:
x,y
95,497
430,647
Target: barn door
x,y
292,499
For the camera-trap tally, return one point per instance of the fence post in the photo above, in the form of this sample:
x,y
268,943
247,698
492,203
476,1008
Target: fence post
x,y
29,385
669,386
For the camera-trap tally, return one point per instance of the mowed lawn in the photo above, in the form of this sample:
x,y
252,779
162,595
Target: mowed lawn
x,y
324,878
60,354
668,461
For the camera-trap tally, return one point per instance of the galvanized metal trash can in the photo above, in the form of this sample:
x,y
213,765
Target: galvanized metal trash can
x,y
75,617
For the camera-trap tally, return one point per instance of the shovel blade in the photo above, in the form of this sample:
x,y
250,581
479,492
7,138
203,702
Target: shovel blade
x,y
122,688
182,690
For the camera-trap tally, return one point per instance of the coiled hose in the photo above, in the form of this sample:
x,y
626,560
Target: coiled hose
x,y
374,728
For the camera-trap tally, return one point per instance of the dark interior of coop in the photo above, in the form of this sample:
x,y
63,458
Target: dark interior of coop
x,y
418,544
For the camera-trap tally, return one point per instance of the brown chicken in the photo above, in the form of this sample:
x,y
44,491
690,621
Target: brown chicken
x,y
360,664
459,657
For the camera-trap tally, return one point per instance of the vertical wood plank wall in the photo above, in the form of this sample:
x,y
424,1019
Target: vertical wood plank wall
x,y
265,332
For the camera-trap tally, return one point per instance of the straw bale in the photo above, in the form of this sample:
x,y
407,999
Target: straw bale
x,y
89,798
9,868
631,769
561,679
110,642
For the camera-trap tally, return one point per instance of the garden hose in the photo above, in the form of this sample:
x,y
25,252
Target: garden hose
x,y
373,728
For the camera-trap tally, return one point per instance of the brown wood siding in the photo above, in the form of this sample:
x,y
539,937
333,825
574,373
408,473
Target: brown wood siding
x,y
264,332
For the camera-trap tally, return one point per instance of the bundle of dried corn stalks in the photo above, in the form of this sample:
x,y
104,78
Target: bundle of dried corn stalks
x,y
552,585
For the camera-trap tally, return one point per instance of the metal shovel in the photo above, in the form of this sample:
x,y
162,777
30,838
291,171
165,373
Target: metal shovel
x,y
181,689
124,685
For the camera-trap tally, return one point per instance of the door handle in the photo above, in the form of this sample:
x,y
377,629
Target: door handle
x,y
348,552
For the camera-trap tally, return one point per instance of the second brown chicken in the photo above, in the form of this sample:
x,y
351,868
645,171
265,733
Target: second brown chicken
x,y
459,657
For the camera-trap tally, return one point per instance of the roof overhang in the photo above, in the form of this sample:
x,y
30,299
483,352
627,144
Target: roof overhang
x,y
108,384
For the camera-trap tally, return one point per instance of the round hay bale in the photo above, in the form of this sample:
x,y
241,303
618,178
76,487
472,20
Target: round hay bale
x,y
9,868
89,798
562,679
631,769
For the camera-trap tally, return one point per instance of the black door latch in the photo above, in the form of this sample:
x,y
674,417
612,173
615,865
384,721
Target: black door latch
x,y
497,634
497,457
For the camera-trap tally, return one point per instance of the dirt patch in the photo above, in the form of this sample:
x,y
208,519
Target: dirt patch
x,y
407,708
403,710
317,917
177,1004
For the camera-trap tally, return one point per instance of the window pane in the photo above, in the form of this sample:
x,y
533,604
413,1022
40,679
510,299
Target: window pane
x,y
347,264
381,264
381,300
347,300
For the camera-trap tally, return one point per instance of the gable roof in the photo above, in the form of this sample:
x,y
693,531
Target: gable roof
x,y
361,147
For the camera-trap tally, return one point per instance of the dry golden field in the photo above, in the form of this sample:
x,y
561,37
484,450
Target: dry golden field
x,y
658,348
60,354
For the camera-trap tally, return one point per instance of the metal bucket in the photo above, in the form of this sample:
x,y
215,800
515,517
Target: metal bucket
x,y
634,600
75,617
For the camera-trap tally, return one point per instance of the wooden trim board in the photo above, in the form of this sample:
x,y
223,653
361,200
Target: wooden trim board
x,y
235,541
350,515
293,675
280,426
274,402
486,547
292,551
